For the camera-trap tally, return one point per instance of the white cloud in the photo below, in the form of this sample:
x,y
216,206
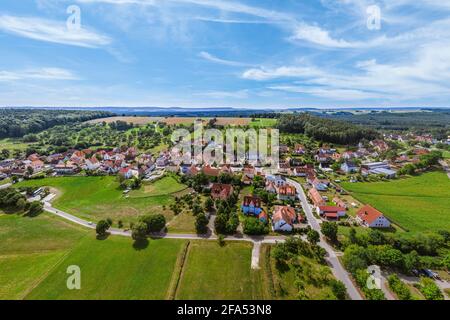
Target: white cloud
x,y
52,31
39,74
423,75
207,56
319,36
263,74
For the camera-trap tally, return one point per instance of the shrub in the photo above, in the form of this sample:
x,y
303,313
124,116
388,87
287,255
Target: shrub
x,y
399,288
430,290
254,226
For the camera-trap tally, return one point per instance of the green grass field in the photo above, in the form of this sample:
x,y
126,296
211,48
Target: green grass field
x,y
13,144
30,248
165,186
263,123
419,203
113,269
36,252
214,272
95,198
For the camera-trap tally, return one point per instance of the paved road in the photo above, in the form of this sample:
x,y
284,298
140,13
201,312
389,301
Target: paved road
x,y
332,258
256,239
255,255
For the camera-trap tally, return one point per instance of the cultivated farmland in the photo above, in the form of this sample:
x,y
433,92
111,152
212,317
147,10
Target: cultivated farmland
x,y
418,203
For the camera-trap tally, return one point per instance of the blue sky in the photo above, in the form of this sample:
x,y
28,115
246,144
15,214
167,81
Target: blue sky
x,y
219,53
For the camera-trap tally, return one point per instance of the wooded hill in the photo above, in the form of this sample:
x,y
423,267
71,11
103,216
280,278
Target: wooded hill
x,y
325,130
16,123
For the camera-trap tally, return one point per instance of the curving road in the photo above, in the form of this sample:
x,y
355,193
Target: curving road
x,y
332,258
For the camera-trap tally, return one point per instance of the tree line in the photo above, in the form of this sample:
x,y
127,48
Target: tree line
x,y
15,123
326,130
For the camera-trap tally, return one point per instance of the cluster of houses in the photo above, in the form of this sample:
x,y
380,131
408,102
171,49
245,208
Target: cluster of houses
x,y
366,216
122,161
283,217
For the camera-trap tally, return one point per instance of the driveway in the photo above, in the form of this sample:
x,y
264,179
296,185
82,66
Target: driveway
x,y
332,258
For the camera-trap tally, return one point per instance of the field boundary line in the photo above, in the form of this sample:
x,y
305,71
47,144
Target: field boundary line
x,y
178,272
267,272
46,274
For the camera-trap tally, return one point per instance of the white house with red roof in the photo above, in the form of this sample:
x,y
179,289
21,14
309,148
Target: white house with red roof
x,y
283,218
92,163
372,218
331,212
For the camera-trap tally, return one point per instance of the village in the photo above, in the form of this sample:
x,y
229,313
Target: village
x,y
321,178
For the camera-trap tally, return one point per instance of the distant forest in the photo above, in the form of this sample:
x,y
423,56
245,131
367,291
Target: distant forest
x,y
326,130
15,123
434,121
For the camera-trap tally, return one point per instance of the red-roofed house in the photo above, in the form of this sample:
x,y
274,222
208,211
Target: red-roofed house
x,y
251,205
315,197
128,173
221,191
331,212
210,171
372,218
286,192
283,218
339,202
92,163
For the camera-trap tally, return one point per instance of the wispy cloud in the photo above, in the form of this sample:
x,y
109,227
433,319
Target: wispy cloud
x,y
425,75
52,31
39,74
207,56
319,36
264,74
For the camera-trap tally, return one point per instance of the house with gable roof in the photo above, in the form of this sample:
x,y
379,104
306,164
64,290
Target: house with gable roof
x,y
370,217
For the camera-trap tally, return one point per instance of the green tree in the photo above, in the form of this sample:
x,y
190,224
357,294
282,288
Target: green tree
x,y
154,222
35,209
446,262
21,204
352,237
102,227
411,261
355,258
329,230
313,236
201,224
209,204
139,231
339,289
253,226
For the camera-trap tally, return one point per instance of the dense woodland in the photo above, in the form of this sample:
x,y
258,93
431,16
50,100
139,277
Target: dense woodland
x,y
325,130
19,122
436,122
